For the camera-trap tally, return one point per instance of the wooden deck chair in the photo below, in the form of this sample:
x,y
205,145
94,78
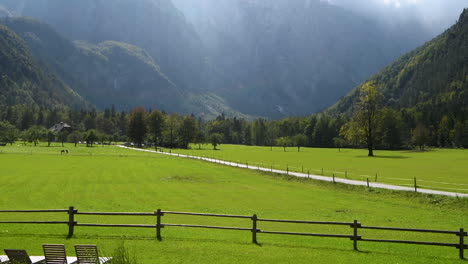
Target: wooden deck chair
x,y
88,254
19,256
55,254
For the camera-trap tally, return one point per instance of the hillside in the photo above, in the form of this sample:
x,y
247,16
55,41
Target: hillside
x,y
431,80
24,81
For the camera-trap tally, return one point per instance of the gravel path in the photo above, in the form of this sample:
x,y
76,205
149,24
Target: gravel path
x,y
311,176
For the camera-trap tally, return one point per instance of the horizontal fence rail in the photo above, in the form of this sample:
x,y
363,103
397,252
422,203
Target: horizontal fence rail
x,y
158,214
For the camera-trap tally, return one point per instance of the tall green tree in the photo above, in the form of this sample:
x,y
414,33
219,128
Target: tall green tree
x,y
299,140
366,117
8,133
283,142
420,136
216,139
137,126
156,124
187,131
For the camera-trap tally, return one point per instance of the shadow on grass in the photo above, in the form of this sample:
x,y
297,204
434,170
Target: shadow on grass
x,y
385,157
243,243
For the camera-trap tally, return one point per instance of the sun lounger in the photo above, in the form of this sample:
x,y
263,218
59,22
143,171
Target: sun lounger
x,y
88,254
21,256
55,254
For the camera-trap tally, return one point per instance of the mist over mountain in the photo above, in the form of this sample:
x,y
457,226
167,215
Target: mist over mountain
x,y
294,57
435,15
270,58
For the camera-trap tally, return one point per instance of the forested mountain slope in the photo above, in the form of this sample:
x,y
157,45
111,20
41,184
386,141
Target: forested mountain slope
x,y
430,82
24,80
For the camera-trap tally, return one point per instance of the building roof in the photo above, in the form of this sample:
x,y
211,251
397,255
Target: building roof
x,y
60,127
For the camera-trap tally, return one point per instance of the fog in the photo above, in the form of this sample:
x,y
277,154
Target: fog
x,y
435,15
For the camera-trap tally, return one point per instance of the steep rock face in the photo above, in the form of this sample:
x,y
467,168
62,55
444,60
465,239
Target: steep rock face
x,y
24,81
292,57
432,79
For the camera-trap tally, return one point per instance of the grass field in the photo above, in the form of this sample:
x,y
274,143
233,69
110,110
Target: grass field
x,y
441,169
115,179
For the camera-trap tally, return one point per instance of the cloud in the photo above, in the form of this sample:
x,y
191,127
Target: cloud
x,y
436,15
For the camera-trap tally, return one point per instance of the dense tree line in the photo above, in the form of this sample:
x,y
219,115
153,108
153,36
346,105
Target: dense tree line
x,y
392,129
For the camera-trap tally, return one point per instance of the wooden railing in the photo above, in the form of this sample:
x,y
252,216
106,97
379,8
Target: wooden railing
x,y
158,214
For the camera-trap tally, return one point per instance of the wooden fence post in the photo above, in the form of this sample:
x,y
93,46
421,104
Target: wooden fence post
x,y
415,185
376,177
355,234
367,182
461,246
287,169
71,221
158,224
308,173
254,229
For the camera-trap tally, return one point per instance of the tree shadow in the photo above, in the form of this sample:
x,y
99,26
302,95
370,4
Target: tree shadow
x,y
385,157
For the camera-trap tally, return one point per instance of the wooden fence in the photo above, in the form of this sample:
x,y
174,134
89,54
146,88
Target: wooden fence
x,y
158,214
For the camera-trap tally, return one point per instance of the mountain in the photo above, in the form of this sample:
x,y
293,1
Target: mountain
x,y
264,58
24,80
431,81
107,73
281,58
153,25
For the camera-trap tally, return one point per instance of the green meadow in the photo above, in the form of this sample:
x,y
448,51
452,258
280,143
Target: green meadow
x,y
111,179
440,169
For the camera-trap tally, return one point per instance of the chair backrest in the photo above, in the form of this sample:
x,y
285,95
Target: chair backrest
x,y
55,254
18,256
87,254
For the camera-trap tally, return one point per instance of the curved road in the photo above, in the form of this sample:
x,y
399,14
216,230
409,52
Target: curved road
x,y
311,176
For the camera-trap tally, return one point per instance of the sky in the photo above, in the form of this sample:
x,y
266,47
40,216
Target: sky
x,y
437,15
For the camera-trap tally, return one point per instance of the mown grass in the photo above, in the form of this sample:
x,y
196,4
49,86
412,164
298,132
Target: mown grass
x,y
114,179
441,169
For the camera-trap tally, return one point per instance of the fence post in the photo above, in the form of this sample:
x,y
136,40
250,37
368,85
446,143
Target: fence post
x,y
71,221
254,229
355,234
287,169
158,224
461,246
376,177
308,173
333,177
415,186
367,182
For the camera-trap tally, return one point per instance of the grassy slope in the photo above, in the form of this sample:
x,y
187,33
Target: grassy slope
x,y
396,167
113,179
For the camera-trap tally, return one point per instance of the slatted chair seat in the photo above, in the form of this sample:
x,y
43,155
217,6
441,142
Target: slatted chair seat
x,y
55,254
20,256
88,254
